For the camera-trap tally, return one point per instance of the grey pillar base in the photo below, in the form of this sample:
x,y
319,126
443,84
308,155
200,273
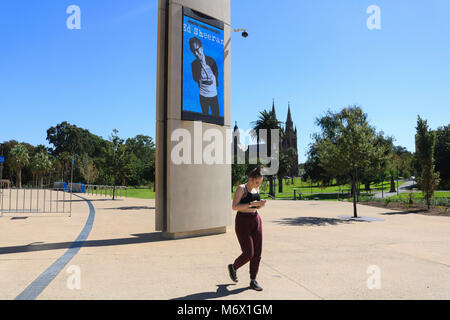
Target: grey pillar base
x,y
194,233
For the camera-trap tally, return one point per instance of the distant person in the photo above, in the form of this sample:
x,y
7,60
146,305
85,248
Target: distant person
x,y
248,226
205,73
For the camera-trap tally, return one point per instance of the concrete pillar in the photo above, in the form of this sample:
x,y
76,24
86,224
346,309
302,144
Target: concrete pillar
x,y
191,199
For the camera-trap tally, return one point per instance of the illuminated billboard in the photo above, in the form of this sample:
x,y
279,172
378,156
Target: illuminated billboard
x,y
202,71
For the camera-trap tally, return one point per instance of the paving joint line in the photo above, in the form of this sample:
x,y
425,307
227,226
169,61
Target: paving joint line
x,y
299,284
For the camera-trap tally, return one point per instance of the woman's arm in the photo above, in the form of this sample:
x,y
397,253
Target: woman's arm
x,y
243,207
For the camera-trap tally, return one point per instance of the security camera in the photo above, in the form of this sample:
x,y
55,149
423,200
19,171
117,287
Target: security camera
x,y
244,32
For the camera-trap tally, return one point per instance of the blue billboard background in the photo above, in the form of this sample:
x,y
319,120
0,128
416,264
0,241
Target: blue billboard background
x,y
212,42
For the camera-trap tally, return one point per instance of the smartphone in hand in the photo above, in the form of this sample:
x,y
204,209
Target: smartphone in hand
x,y
254,206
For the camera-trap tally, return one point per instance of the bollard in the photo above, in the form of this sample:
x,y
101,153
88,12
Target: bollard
x,y
23,204
64,197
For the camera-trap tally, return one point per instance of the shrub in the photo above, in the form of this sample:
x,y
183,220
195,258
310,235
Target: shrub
x,y
410,198
445,202
406,203
366,198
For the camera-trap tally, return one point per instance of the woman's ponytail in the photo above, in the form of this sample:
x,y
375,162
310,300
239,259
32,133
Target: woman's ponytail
x,y
256,173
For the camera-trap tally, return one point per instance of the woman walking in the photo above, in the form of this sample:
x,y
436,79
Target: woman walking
x,y
248,226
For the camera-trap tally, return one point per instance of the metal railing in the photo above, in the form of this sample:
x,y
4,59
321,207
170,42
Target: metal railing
x,y
25,201
106,191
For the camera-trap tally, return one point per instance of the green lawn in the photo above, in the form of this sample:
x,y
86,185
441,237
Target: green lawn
x,y
440,198
315,191
141,193
419,195
308,192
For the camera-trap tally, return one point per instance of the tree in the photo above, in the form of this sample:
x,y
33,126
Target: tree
x,y
55,170
403,160
293,165
117,160
348,145
72,139
266,121
5,149
19,159
285,165
65,159
283,169
40,165
425,145
313,170
88,169
442,156
399,164
143,168
238,171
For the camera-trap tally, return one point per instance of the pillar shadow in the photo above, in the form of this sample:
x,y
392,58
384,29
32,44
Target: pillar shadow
x,y
222,291
128,208
39,246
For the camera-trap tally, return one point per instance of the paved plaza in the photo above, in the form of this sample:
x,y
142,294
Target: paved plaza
x,y
308,253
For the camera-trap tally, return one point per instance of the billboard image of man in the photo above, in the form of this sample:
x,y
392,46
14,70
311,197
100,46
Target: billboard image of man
x,y
205,72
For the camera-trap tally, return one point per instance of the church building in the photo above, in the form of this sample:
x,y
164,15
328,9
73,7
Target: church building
x,y
288,140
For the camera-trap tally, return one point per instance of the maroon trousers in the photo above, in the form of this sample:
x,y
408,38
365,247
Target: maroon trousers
x,y
248,229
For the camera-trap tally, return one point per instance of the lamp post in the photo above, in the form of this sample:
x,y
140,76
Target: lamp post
x,y
2,159
397,181
1,166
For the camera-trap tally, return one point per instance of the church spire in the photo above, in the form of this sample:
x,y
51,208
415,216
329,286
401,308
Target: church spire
x,y
236,135
289,118
273,109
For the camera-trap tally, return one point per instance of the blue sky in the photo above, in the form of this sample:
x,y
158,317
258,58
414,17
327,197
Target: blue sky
x,y
318,55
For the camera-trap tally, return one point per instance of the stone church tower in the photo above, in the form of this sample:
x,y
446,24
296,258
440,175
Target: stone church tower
x,y
290,141
287,141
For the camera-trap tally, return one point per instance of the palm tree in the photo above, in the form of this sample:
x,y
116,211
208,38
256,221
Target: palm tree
x,y
55,170
65,158
40,165
266,121
19,159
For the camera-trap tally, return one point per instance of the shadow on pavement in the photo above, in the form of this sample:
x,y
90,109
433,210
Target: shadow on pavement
x,y
135,239
402,212
129,208
76,200
222,291
313,221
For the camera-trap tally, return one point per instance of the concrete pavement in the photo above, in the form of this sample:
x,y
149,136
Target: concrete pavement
x,y
308,253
